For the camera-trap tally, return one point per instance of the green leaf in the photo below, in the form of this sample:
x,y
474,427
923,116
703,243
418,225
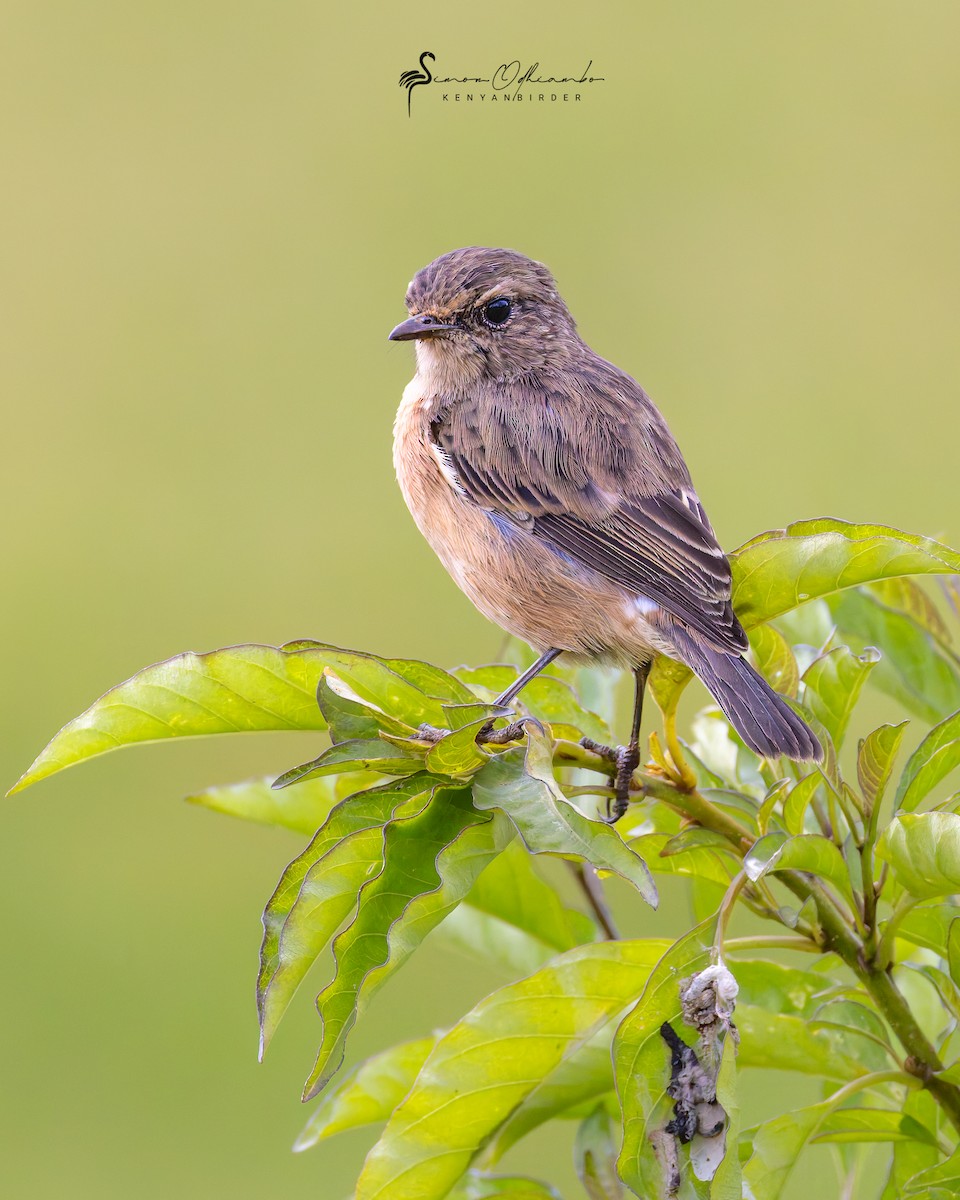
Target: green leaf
x,y
727,1183
431,859
908,597
872,1125
348,717
243,689
859,1028
876,755
302,808
776,793
700,861
775,660
393,684
477,1185
321,884
550,700
776,987
913,1156
923,850
514,918
953,950
595,1156
834,682
783,1042
916,670
777,1145
523,786
368,1094
933,760
776,571
491,1060
457,754
940,1180
583,1078
375,755
805,852
666,682
798,800
641,1059
929,926
482,937
946,988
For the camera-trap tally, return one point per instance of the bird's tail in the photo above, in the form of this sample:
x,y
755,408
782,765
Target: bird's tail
x,y
762,718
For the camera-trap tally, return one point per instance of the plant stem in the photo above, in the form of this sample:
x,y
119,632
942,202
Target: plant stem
x,y
884,955
923,1060
761,942
586,876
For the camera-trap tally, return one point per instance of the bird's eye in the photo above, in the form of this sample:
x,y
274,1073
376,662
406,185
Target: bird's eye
x,y
496,312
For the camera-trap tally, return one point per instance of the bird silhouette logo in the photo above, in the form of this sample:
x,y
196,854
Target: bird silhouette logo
x,y
413,78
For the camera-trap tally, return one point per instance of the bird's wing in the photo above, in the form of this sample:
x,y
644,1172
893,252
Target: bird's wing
x,y
595,474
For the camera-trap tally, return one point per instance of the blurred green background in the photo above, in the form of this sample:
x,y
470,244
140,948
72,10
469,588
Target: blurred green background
x,y
210,215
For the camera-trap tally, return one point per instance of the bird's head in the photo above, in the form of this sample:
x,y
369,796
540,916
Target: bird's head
x,y
481,314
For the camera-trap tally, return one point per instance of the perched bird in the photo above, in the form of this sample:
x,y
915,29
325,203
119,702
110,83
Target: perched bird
x,y
555,495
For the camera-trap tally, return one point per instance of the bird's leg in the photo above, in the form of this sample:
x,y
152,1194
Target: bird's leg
x,y
623,759
515,729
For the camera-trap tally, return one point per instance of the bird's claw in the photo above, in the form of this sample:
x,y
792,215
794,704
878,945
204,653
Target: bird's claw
x,y
431,733
624,760
509,733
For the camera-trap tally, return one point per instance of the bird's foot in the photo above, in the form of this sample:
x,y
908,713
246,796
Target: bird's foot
x,y
498,737
624,760
509,733
431,734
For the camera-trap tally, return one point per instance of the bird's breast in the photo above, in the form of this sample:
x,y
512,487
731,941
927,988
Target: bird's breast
x,y
455,527
511,575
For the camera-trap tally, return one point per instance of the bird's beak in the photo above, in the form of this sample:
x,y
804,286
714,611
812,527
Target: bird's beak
x,y
421,326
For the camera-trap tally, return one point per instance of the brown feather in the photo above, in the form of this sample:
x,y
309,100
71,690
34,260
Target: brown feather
x,y
556,496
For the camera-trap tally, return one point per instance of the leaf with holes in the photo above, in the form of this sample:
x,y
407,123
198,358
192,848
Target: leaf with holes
x,y
641,1060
